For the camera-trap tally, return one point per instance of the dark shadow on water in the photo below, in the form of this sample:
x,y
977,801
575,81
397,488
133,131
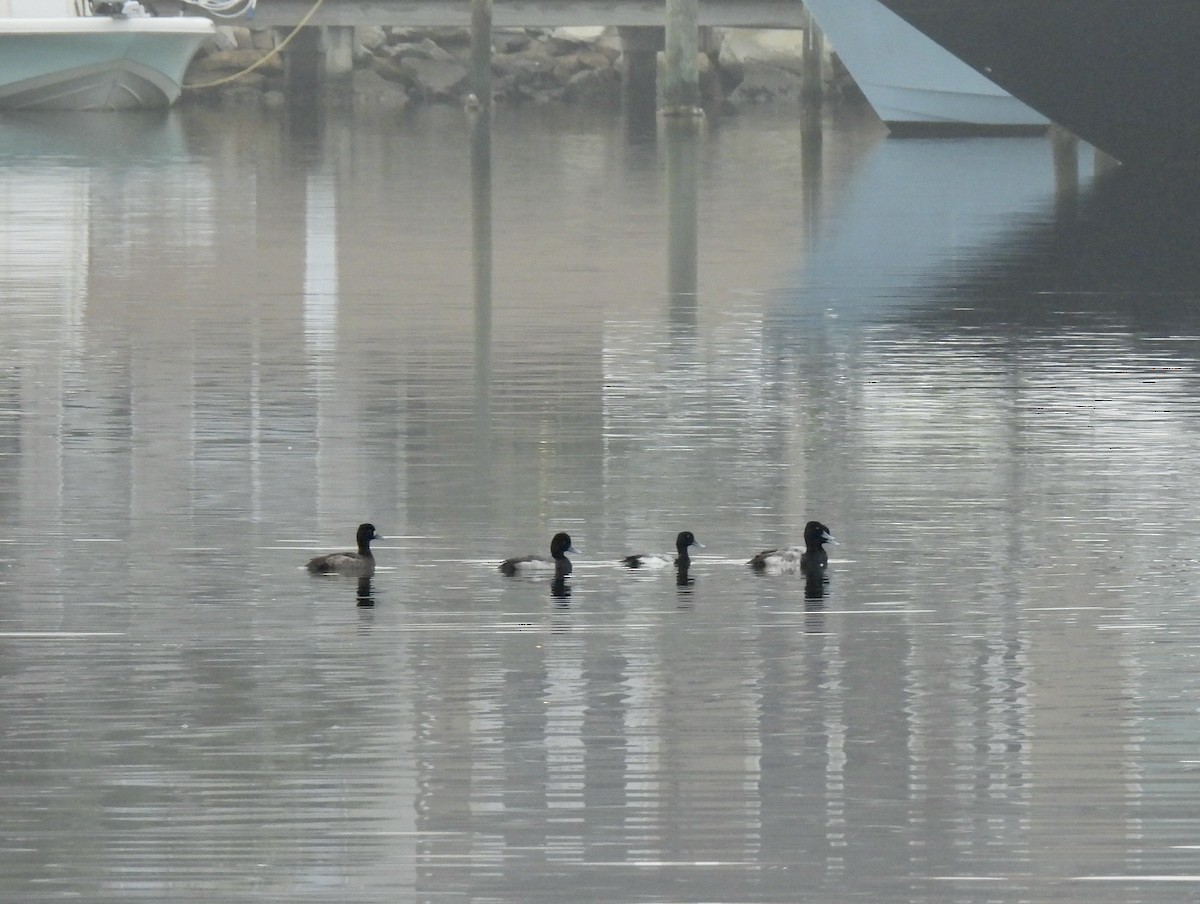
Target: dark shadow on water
x,y
1126,251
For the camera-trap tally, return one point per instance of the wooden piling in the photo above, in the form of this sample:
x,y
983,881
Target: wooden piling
x,y
681,80
812,84
481,53
639,90
338,43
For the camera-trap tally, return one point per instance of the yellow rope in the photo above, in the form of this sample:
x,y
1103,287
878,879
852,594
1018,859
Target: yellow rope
x,y
264,60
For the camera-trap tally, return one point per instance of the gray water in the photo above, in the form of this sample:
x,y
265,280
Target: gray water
x,y
228,339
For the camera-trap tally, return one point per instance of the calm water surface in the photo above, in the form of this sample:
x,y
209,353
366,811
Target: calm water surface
x,y
227,340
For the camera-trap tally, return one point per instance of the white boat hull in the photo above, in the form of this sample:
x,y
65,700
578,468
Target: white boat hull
x,y
96,62
914,85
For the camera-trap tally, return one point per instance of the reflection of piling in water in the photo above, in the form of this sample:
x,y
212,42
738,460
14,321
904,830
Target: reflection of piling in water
x,y
481,253
682,227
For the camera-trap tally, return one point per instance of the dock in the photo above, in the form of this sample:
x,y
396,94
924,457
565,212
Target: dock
x,y
326,55
521,13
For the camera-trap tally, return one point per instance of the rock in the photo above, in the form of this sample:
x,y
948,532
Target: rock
x,y
595,59
609,44
578,34
762,83
730,73
565,67
425,49
510,41
263,39
594,87
235,60
392,71
442,36
370,37
437,79
374,92
782,48
532,68
436,51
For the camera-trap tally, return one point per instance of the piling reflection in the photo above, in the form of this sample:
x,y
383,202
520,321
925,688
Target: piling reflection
x,y
990,693
481,257
681,138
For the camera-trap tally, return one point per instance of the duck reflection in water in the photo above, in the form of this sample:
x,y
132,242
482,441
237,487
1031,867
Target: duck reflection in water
x,y
560,590
363,596
814,589
684,584
814,603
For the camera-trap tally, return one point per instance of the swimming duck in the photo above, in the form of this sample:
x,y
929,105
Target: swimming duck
x,y
361,563
683,560
812,559
560,545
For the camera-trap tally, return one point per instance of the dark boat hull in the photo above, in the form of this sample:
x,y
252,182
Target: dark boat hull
x,y
1123,75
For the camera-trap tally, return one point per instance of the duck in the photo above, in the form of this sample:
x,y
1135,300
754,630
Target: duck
x,y
560,545
361,563
652,561
811,559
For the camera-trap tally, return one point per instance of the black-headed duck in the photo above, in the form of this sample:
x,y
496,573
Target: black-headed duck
x,y
360,563
530,564
809,559
654,561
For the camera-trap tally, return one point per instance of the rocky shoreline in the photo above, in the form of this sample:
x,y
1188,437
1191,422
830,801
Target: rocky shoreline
x,y
398,67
